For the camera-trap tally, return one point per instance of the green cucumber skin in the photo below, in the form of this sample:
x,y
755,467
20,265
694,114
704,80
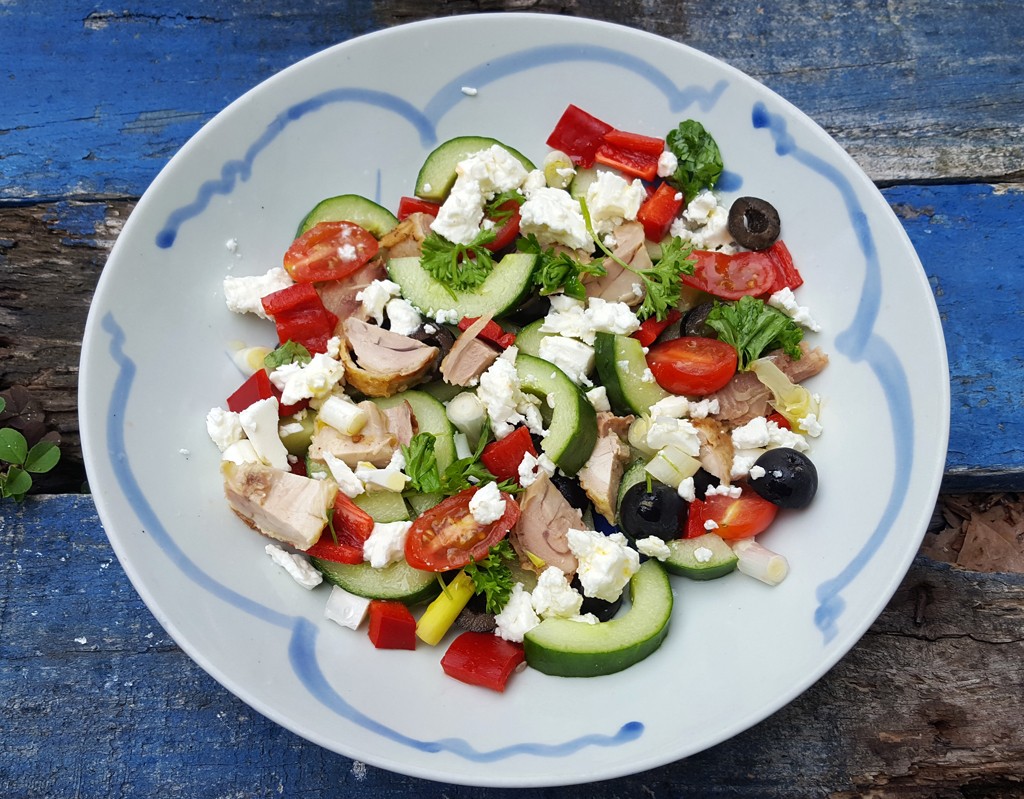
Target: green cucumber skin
x,y
502,291
431,417
438,170
564,648
528,339
399,582
572,432
627,392
635,473
682,563
374,218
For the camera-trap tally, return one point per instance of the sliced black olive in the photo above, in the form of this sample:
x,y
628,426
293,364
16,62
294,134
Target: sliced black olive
x,y
535,307
660,512
703,480
435,335
754,223
789,480
601,608
571,490
695,322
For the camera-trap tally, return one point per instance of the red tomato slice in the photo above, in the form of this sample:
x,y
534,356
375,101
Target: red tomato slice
x,y
692,365
736,517
732,276
509,229
448,537
329,251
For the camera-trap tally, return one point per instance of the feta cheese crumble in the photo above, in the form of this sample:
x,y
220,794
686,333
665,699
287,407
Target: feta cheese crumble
x,y
386,544
653,547
554,597
297,566
244,294
518,617
487,504
606,563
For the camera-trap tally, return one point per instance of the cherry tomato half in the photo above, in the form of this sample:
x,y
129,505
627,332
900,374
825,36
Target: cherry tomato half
x,y
737,517
732,276
448,537
507,227
329,251
692,365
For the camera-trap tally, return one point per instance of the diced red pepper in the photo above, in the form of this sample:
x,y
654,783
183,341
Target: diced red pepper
x,y
300,316
649,145
296,297
492,332
787,275
298,466
392,625
659,211
414,205
780,420
256,387
578,135
352,526
502,458
630,153
651,328
482,659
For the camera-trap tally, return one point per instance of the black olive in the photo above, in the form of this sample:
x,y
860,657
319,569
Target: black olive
x,y
703,480
435,335
660,512
754,223
572,491
789,480
695,322
601,608
535,307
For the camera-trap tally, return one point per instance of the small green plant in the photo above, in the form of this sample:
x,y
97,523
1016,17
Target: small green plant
x,y
22,461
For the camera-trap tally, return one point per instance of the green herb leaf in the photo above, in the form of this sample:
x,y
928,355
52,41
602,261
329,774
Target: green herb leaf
x,y
421,463
496,213
460,267
13,447
42,457
492,577
289,352
16,483
558,272
469,472
700,161
753,327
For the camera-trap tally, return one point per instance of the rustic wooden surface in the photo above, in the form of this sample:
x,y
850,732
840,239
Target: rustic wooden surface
x,y
927,96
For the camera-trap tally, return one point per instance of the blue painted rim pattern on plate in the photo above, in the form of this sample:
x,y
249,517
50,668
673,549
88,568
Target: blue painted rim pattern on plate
x,y
859,343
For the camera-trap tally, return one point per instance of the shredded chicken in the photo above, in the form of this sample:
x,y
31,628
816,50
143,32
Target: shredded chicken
x,y
602,473
715,448
339,296
406,238
544,522
375,443
619,284
380,363
469,357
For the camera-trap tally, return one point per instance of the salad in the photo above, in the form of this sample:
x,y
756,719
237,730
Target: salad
x,y
528,392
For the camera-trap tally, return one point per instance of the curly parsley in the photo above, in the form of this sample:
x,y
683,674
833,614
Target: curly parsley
x,y
753,327
492,577
460,267
558,271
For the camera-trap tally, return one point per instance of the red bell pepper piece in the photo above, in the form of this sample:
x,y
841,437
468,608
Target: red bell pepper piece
x,y
502,458
780,420
649,145
651,328
658,212
787,275
492,332
392,625
578,135
631,153
300,316
352,526
296,297
482,659
256,387
414,205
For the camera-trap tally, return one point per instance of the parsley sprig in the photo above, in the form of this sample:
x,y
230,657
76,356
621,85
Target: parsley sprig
x,y
663,283
700,160
421,463
459,267
753,327
492,577
558,271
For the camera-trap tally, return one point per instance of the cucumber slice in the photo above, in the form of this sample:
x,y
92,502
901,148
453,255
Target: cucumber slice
x,y
377,219
702,558
297,441
501,292
572,431
574,649
528,339
399,581
621,365
437,175
383,506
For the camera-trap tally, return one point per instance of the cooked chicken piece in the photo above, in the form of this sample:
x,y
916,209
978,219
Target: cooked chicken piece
x,y
745,397
375,443
469,357
400,422
602,473
406,239
339,296
544,521
608,422
715,448
380,363
279,504
618,284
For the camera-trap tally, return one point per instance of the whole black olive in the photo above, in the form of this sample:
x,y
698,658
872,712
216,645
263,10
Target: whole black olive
x,y
660,512
572,491
789,480
695,322
754,223
601,608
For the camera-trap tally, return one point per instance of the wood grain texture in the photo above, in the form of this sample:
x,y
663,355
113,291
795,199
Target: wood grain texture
x,y
926,706
894,83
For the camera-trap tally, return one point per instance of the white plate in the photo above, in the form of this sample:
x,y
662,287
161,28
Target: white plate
x,y
360,118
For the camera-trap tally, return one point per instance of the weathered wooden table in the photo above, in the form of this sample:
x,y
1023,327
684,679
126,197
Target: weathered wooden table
x,y
96,700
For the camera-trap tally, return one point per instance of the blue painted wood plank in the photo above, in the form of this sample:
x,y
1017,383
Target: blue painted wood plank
x,y
968,238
